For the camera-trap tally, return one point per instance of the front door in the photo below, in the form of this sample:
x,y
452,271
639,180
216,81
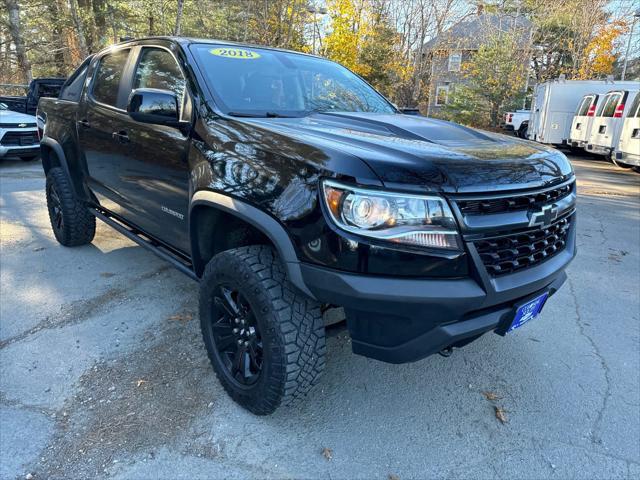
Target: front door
x,y
156,169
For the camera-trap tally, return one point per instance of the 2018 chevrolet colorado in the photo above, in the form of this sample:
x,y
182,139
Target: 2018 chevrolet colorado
x,y
286,185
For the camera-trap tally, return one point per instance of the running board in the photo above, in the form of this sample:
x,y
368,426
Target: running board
x,y
154,247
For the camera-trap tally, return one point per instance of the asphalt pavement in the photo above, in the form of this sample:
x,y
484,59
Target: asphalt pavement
x,y
103,373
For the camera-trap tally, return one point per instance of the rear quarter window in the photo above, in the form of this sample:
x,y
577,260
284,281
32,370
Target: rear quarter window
x,y
106,82
634,111
72,89
610,104
583,108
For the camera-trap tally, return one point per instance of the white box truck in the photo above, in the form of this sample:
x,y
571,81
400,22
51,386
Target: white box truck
x,y
554,106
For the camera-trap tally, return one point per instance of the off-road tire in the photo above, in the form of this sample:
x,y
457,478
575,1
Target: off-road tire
x,y
290,325
78,226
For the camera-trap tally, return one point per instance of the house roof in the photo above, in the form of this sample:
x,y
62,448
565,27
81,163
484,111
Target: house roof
x,y
474,31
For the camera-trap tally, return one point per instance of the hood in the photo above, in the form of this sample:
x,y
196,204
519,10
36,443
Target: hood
x,y
419,153
9,116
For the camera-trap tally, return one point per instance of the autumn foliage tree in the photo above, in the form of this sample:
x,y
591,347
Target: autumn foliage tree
x,y
381,40
599,56
495,76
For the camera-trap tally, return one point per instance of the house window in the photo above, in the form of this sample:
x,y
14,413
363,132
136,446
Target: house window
x,y
442,94
455,60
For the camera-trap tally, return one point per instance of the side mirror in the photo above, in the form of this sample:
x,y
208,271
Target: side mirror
x,y
150,105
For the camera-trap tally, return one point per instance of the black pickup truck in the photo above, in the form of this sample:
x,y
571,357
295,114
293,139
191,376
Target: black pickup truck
x,y
286,185
38,88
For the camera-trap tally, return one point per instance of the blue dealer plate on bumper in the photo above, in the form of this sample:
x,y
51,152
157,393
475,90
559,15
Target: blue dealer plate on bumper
x,y
528,311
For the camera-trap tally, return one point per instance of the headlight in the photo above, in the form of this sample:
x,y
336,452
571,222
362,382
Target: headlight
x,y
418,220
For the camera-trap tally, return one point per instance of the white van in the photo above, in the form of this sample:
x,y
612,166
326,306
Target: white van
x,y
554,106
628,150
607,124
583,119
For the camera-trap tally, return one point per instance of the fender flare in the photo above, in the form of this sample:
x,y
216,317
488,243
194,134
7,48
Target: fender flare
x,y
263,222
62,158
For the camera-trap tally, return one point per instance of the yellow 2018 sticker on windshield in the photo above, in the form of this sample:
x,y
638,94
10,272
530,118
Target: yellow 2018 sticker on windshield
x,y
239,53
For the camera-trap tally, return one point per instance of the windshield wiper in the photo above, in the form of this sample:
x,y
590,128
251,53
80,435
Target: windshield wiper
x,y
277,115
259,115
240,114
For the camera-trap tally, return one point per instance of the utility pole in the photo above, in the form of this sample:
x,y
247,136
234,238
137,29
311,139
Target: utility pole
x,y
636,14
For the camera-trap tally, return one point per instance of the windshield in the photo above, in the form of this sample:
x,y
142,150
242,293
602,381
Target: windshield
x,y
260,82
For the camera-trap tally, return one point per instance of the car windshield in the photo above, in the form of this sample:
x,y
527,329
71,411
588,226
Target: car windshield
x,y
252,81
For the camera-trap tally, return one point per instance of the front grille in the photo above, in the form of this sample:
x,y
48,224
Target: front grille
x,y
19,139
17,125
515,202
509,253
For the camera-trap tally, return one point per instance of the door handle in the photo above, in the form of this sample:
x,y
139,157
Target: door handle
x,y
122,136
84,123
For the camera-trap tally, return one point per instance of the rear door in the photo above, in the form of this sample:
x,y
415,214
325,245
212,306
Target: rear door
x,y
99,118
630,136
630,139
605,122
582,119
154,171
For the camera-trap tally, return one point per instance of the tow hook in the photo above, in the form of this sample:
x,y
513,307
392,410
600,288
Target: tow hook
x,y
446,352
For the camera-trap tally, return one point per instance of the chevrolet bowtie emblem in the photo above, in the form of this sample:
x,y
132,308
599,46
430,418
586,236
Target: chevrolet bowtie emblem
x,y
22,125
544,217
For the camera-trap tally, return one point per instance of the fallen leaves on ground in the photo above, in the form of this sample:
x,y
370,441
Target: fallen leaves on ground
x,y
492,397
141,382
327,453
182,317
393,477
500,415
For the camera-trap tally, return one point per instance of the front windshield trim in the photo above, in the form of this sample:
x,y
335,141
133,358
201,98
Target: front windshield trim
x,y
223,108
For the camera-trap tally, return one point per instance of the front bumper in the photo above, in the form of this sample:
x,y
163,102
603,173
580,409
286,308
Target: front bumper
x,y
598,149
628,158
400,320
28,151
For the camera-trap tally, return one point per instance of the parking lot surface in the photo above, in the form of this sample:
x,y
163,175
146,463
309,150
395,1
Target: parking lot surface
x,y
104,375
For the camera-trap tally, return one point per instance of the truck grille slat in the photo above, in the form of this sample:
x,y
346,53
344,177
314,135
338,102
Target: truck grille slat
x,y
509,253
515,202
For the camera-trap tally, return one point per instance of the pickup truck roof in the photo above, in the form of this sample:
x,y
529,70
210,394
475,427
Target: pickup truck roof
x,y
191,40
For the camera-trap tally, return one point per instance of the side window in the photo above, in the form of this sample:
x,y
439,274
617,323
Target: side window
x,y
442,95
610,105
72,88
106,81
158,69
455,60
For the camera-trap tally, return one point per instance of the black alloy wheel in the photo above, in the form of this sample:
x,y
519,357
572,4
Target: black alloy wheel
x,y
55,209
237,335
